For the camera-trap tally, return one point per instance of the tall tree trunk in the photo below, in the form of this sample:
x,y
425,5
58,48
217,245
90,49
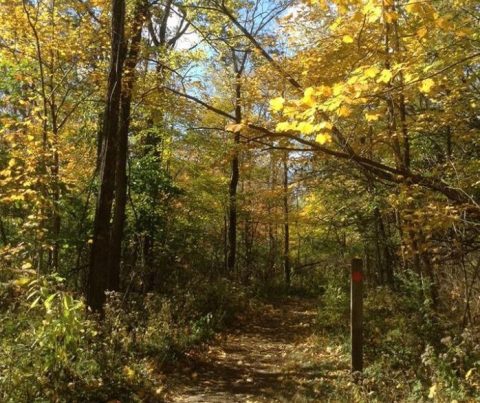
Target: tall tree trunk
x,y
286,244
232,189
55,165
225,241
99,273
55,172
3,232
122,147
232,211
387,261
272,241
391,119
401,97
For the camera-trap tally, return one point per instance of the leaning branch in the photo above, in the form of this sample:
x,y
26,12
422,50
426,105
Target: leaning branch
x,y
380,170
388,173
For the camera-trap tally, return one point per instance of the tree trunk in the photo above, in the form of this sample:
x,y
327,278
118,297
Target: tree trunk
x,y
272,241
232,211
99,273
286,245
387,261
232,190
122,148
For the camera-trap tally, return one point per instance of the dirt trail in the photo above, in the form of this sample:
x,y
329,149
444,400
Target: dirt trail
x,y
274,357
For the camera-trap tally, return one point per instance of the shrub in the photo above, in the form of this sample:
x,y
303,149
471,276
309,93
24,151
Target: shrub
x,y
52,349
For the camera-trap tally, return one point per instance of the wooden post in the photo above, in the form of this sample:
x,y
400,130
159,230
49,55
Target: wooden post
x,y
356,310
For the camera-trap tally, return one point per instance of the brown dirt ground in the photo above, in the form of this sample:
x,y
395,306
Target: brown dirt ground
x,y
274,356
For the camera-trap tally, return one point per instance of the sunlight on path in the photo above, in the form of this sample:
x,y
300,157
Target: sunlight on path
x,y
274,358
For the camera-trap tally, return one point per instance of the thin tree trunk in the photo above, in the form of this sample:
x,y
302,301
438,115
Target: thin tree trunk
x,y
401,98
272,242
232,189
3,233
391,120
225,241
387,263
286,244
55,171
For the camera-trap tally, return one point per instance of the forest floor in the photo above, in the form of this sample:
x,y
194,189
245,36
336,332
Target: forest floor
x,y
272,356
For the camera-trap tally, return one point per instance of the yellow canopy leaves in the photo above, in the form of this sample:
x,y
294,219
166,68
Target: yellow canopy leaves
x,y
323,138
385,76
427,85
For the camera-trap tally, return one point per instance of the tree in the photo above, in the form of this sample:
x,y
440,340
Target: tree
x,y
100,275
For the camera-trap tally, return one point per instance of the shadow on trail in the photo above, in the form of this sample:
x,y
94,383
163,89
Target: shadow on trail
x,y
271,358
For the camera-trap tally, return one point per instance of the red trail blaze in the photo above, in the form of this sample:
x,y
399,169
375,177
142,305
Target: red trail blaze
x,y
357,276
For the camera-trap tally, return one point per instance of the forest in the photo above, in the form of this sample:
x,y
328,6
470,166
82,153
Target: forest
x,y
184,185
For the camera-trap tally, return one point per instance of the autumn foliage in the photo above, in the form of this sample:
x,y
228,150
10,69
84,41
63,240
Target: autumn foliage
x,y
187,156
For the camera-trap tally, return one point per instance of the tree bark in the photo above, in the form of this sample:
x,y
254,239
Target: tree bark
x,y
99,273
121,181
232,211
232,189
286,244
272,241
387,261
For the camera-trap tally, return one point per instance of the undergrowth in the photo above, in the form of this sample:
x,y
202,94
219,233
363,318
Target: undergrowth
x,y
52,349
408,355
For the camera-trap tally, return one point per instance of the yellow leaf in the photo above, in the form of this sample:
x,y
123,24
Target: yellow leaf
x,y
372,117
129,372
409,77
15,197
335,24
372,11
333,104
305,128
414,7
422,32
276,104
347,39
322,138
469,373
26,266
285,126
462,33
12,162
391,17
443,23
371,72
344,111
432,391
324,125
353,80
290,111
234,127
324,91
385,76
308,97
22,281
337,89
427,85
